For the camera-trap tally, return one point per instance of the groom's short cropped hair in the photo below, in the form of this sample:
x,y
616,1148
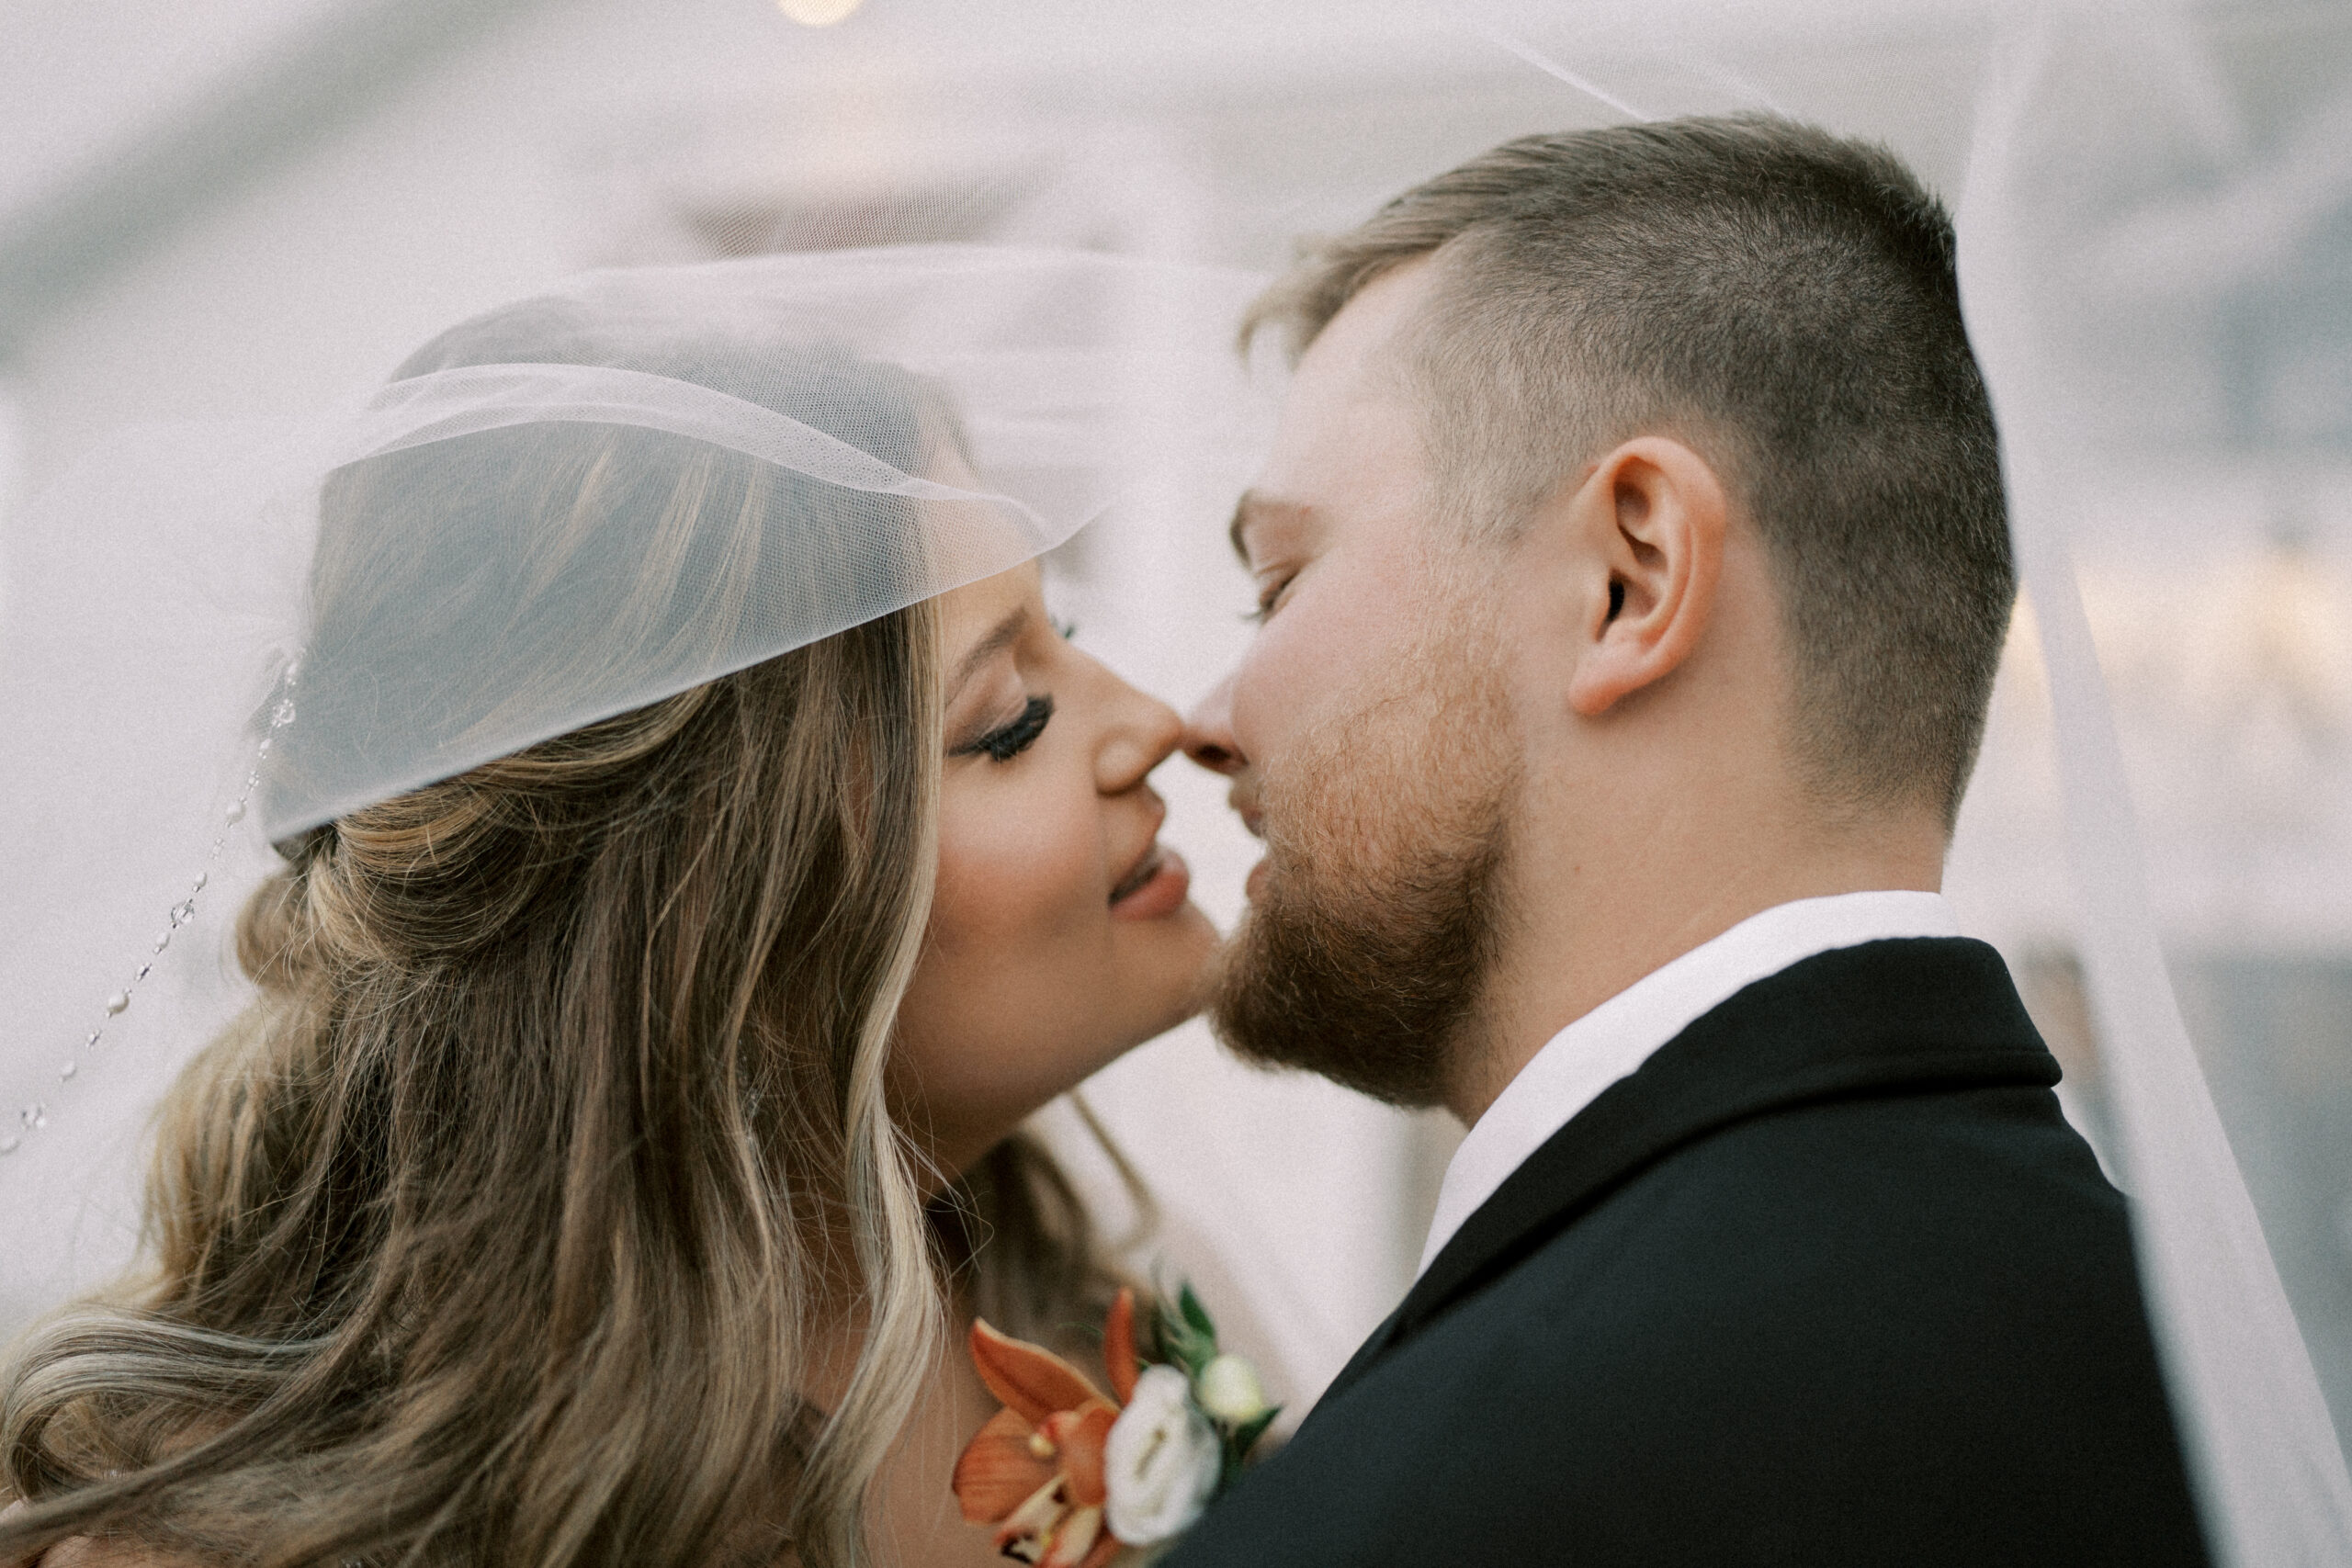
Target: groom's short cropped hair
x,y
1785,300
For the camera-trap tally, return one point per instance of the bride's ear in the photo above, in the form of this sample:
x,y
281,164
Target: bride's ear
x,y
1648,523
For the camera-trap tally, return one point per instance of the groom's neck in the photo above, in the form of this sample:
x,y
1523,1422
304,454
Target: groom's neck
x,y
1596,898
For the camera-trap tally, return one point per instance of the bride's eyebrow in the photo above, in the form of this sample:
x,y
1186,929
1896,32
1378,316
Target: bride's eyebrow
x,y
1005,633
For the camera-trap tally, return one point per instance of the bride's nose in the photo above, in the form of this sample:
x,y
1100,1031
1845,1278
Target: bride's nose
x,y
1208,732
1144,735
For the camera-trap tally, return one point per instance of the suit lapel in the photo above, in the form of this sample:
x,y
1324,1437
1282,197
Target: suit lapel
x,y
1915,1012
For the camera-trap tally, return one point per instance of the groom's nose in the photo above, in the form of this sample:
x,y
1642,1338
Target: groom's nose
x,y
1208,732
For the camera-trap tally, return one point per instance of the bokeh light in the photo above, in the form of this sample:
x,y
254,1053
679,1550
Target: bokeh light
x,y
817,13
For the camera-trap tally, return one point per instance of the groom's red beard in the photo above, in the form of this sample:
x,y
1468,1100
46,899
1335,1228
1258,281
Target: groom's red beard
x,y
1370,934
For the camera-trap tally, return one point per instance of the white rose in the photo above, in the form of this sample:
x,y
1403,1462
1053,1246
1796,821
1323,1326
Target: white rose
x,y
1160,1464
1230,1391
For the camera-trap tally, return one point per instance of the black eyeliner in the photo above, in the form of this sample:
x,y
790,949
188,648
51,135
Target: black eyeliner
x,y
1008,741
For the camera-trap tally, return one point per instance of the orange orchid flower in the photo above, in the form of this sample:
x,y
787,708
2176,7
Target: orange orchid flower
x,y
1035,1471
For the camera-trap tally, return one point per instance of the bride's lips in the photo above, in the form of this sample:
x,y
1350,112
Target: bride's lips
x,y
1157,884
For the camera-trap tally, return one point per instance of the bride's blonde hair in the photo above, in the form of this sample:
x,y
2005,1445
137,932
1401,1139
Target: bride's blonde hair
x,y
504,1225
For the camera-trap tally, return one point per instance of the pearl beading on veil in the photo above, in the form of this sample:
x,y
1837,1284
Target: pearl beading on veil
x,y
32,1118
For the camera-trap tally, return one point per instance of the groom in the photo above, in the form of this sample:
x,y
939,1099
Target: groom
x,y
1633,568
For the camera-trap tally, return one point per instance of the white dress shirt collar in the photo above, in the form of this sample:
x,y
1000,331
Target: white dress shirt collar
x,y
1618,1036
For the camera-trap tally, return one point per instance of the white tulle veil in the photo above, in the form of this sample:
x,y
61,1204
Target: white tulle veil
x,y
220,634
2114,210
2130,236
2105,174
2152,205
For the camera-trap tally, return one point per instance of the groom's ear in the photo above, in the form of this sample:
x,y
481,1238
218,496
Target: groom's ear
x,y
1649,520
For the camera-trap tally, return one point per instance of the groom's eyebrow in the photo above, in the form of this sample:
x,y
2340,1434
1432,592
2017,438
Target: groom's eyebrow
x,y
1003,636
1240,521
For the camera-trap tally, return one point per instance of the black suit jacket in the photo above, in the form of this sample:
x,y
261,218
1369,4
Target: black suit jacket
x,y
1828,1280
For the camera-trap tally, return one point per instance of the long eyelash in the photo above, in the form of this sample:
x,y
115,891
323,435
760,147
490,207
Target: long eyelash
x,y
1009,741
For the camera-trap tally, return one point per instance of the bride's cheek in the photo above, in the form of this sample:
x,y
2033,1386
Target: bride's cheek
x,y
998,1010
1011,880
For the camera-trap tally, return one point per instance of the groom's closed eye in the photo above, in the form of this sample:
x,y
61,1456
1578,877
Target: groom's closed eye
x,y
1269,598
1267,535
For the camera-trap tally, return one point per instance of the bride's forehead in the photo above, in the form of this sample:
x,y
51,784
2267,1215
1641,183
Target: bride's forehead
x,y
970,613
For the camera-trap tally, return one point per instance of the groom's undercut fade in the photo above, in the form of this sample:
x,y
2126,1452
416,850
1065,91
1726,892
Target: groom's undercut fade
x,y
1782,299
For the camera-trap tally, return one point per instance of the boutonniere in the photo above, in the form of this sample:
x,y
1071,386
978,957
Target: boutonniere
x,y
1068,1475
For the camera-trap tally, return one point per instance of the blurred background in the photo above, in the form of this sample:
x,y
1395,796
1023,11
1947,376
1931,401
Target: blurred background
x,y
250,206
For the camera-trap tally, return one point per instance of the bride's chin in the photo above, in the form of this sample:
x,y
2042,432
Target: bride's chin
x,y
1162,989
1161,975
1171,995
1197,938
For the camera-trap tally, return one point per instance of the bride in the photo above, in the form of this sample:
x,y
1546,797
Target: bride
x,y
683,900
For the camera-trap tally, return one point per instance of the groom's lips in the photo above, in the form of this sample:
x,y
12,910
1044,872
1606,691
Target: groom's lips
x,y
1243,799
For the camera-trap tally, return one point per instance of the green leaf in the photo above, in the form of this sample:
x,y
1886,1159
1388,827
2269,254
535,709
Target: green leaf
x,y
1192,1352
1244,1436
1182,1341
1194,1312
1233,1444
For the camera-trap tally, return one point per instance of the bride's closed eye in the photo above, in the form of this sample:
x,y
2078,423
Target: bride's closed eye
x,y
1009,741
